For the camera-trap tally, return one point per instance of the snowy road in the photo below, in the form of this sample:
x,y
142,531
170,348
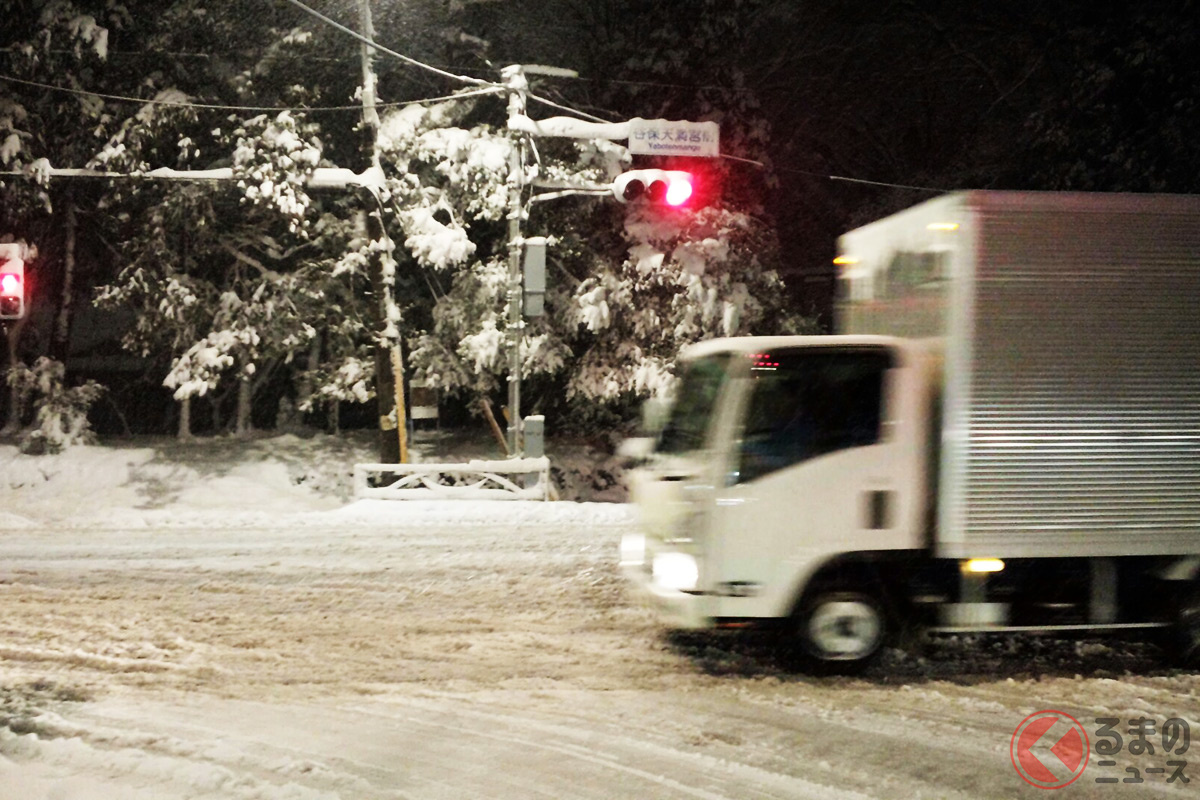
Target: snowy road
x,y
490,656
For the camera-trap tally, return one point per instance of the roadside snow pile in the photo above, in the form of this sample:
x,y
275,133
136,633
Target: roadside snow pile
x,y
76,482
130,486
457,513
232,483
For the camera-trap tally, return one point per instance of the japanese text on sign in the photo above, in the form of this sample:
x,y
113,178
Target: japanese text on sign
x,y
661,137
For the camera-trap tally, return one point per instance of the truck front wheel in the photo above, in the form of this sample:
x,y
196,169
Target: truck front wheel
x,y
838,632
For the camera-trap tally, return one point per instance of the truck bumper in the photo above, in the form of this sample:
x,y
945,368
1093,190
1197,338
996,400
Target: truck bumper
x,y
675,609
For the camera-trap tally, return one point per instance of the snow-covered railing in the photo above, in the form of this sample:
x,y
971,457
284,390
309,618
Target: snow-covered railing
x,y
507,479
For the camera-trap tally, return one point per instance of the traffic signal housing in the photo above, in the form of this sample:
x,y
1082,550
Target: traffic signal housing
x,y
662,187
12,281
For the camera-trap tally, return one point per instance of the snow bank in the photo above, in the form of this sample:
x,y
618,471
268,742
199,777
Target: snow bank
x,y
230,483
478,512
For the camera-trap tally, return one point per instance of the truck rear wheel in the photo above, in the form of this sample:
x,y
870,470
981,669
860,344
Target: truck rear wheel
x,y
838,632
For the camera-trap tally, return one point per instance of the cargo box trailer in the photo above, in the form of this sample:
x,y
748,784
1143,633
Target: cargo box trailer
x,y
1003,435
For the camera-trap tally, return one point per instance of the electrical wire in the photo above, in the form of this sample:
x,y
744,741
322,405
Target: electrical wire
x,y
221,107
562,107
489,88
422,65
884,184
406,59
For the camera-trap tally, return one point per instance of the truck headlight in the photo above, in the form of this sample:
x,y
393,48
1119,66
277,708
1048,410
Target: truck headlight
x,y
677,571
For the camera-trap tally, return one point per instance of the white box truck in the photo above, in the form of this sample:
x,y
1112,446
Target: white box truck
x,y
1003,436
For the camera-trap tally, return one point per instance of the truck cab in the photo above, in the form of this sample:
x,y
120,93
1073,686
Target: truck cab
x,y
781,456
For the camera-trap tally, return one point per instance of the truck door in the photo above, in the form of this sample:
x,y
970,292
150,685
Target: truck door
x,y
820,467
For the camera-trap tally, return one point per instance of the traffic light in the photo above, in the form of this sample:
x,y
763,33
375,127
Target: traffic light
x,y
669,187
12,282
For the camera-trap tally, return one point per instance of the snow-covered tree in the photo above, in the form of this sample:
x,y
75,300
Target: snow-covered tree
x,y
238,286
234,286
61,417
620,307
687,276
51,44
237,282
450,191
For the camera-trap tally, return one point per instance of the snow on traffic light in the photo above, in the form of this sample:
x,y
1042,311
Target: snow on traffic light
x,y
12,281
670,187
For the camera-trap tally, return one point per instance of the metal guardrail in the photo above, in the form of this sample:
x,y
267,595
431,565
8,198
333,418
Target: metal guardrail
x,y
507,479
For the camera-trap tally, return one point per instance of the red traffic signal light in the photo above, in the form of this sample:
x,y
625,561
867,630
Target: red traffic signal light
x,y
12,282
670,187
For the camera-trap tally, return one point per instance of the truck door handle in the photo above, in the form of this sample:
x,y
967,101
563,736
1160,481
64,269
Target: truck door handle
x,y
877,510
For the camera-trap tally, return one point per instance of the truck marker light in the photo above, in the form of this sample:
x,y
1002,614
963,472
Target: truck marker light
x,y
845,261
983,565
762,361
942,226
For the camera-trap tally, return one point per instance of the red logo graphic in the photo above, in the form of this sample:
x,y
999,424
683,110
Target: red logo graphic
x,y
1049,749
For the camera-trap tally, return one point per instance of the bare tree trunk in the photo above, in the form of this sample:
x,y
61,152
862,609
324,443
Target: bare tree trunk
x,y
60,336
15,405
214,402
245,393
184,433
307,387
491,418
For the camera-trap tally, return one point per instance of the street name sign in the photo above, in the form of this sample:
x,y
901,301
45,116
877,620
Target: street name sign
x,y
664,137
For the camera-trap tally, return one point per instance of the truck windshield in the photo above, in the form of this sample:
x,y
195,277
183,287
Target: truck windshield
x,y
695,398
808,403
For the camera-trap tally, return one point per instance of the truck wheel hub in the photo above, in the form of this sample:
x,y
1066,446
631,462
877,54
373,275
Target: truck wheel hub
x,y
845,629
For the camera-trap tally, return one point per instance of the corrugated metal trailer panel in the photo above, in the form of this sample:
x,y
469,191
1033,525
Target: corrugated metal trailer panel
x,y
1072,397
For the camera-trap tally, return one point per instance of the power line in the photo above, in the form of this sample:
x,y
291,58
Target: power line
x,y
463,70
884,184
488,90
422,65
562,107
844,179
406,59
221,107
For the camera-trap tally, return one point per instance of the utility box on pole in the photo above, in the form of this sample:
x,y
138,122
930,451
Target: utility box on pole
x,y
535,436
535,277
535,447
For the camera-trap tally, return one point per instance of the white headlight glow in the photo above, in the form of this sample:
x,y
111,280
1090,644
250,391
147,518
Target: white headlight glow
x,y
676,571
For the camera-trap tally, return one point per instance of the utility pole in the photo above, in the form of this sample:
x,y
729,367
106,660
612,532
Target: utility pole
x,y
389,360
514,78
